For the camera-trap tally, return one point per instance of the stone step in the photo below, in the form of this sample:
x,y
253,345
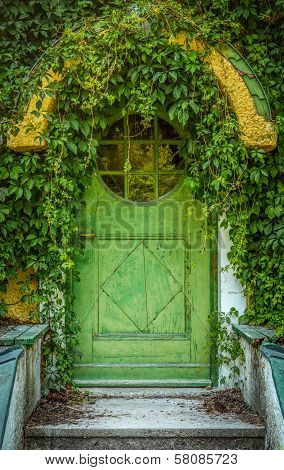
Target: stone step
x,y
145,419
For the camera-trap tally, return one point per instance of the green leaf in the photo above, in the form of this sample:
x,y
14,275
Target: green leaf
x,y
194,106
15,172
183,116
173,75
93,147
83,146
72,147
192,55
74,124
4,174
19,193
161,96
177,92
253,228
163,78
85,129
173,111
31,236
27,194
134,76
156,76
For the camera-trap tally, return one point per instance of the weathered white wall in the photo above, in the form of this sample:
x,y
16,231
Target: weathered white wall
x,y
230,290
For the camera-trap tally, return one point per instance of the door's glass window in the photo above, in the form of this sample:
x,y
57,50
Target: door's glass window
x,y
137,130
166,131
115,183
140,162
141,188
169,158
166,182
142,157
111,158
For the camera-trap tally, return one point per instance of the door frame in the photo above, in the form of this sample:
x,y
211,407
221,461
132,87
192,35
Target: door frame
x,y
214,301
213,265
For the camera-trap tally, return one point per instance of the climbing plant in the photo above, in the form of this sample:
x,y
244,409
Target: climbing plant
x,y
230,352
123,53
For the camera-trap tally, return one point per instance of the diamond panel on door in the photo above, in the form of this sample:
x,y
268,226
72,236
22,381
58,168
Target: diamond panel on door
x,y
144,291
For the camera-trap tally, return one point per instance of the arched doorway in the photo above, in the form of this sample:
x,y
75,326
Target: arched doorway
x,y
143,298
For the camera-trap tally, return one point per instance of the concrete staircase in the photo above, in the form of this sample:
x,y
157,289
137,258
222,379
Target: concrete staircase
x,y
145,419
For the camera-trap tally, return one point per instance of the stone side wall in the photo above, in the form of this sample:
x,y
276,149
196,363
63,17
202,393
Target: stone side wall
x,y
26,394
259,392
257,383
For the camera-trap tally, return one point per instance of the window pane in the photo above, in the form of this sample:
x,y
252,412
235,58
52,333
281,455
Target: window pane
x,y
141,188
115,183
115,132
137,129
148,162
167,183
169,158
141,157
166,131
111,158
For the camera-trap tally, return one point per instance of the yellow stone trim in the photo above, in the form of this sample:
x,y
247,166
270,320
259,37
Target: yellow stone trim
x,y
32,126
17,310
256,131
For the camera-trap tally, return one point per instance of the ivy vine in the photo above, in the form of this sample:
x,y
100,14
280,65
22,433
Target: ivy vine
x,y
123,54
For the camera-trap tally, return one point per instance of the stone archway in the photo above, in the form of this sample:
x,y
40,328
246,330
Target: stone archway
x,y
236,80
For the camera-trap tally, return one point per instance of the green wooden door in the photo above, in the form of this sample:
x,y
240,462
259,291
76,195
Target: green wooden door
x,y
144,293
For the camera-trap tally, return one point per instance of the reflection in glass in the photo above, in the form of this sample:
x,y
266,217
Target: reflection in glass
x,y
115,132
138,129
110,157
141,157
169,158
115,183
141,188
166,131
167,183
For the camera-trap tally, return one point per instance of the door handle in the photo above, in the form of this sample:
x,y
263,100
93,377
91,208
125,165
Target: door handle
x,y
88,235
